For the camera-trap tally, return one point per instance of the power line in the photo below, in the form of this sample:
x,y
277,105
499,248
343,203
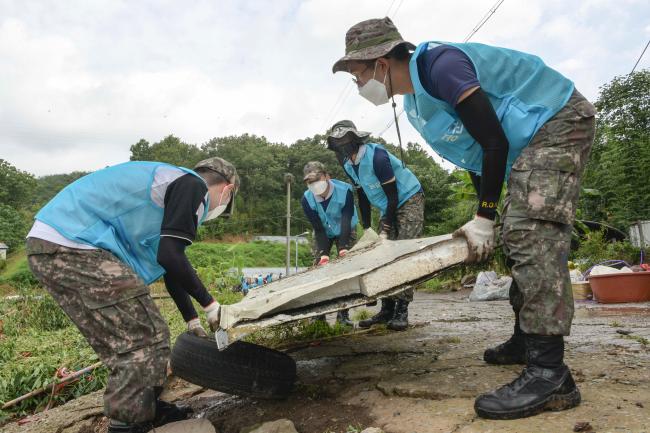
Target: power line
x,y
399,5
345,93
476,28
484,20
389,8
640,57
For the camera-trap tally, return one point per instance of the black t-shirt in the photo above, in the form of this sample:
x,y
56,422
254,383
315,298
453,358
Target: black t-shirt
x,y
182,200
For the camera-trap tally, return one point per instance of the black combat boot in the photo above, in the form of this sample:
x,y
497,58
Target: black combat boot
x,y
343,317
400,320
384,315
545,384
169,412
512,351
120,427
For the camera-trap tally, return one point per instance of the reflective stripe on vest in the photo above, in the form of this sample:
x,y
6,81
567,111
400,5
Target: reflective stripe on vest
x,y
407,183
524,92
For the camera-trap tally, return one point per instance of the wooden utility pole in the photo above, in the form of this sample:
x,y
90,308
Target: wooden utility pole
x,y
288,179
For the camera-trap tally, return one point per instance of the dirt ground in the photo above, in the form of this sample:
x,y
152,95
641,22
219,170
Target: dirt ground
x,y
424,380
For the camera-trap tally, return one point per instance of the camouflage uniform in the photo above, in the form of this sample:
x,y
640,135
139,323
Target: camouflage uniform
x,y
539,211
112,308
410,223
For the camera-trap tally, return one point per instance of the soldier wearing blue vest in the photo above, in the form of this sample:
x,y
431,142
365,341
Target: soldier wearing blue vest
x,y
328,204
97,245
502,115
382,181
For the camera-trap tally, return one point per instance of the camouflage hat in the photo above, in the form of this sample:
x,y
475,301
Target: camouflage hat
x,y
342,127
369,40
313,171
223,167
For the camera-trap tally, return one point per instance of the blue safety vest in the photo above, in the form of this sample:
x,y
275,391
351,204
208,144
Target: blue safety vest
x,y
407,184
113,209
331,217
524,92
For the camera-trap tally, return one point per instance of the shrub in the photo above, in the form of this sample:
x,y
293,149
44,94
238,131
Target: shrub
x,y
594,249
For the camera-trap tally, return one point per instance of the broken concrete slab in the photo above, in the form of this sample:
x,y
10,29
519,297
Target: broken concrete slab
x,y
386,268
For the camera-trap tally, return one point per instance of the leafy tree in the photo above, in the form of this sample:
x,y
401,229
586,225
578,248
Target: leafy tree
x,y
260,205
49,186
16,186
170,149
618,169
13,226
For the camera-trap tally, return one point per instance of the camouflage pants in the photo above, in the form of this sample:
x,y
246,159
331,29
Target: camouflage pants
x,y
540,208
112,308
410,223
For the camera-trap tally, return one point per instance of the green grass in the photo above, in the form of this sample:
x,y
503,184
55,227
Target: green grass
x,y
15,273
37,338
304,330
250,254
440,284
643,341
361,314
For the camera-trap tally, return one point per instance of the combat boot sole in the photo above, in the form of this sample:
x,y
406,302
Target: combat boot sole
x,y
554,402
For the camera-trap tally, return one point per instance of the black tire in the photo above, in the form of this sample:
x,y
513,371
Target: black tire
x,y
241,369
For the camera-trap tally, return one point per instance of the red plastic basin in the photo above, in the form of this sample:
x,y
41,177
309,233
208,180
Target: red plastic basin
x,y
617,288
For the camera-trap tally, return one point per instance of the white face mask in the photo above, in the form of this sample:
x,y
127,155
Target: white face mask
x,y
214,213
220,208
374,91
318,188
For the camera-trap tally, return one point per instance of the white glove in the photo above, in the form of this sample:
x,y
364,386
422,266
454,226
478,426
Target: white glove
x,y
194,327
479,234
212,313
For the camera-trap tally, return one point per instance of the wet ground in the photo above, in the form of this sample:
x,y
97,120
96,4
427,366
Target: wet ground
x,y
424,380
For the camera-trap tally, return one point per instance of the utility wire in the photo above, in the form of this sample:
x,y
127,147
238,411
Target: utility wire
x,y
640,57
476,28
484,20
399,5
390,7
345,93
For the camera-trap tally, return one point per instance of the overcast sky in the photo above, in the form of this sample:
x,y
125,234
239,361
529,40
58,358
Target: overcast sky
x,y
82,80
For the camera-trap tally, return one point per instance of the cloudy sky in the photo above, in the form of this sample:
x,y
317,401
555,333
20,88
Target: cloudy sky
x,y
82,80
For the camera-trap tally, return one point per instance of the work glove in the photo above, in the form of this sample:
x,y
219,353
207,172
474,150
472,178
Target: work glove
x,y
323,260
212,313
194,327
479,234
343,252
